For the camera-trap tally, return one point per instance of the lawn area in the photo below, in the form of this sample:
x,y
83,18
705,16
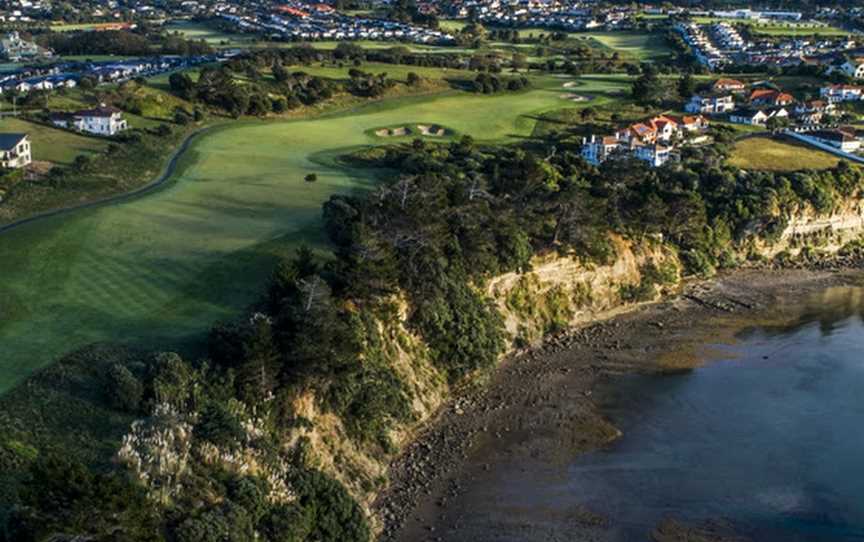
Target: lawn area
x,y
780,28
159,270
52,144
200,31
638,45
395,71
762,153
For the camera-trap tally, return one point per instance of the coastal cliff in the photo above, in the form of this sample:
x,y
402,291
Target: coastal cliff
x,y
556,293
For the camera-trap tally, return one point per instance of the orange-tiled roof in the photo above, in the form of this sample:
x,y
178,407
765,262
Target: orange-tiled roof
x,y
761,93
728,83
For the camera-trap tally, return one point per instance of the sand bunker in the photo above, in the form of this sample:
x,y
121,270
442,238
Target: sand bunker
x,y
575,97
432,130
393,132
571,84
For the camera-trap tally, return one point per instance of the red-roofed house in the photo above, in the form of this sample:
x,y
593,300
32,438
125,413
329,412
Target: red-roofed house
x,y
768,96
728,85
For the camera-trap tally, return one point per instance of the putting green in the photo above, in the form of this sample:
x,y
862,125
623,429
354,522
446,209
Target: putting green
x,y
158,270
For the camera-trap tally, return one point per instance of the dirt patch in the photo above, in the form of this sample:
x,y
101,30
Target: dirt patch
x,y
432,130
401,131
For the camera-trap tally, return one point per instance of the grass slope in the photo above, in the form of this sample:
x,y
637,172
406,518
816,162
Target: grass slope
x,y
52,144
638,45
767,154
158,270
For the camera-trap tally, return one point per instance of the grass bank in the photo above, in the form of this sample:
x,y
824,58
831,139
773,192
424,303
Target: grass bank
x,y
766,154
160,269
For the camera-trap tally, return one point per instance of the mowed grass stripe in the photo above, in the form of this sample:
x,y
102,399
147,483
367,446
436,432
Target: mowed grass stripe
x,y
157,271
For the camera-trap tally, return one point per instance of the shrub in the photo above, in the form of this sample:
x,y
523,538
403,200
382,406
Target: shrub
x,y
124,390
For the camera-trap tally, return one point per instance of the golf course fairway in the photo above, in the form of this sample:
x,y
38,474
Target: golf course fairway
x,y
158,270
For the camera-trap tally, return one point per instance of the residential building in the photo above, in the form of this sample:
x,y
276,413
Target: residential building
x,y
854,68
728,85
14,151
710,105
656,154
841,93
753,117
596,150
104,121
653,140
769,96
839,139
14,49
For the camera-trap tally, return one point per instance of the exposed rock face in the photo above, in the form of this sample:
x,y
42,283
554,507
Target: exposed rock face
x,y
558,292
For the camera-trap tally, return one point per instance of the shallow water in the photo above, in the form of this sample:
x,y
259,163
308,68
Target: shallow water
x,y
768,435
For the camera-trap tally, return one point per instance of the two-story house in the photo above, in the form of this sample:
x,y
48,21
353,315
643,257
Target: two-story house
x,y
104,121
14,151
853,68
841,93
768,96
710,105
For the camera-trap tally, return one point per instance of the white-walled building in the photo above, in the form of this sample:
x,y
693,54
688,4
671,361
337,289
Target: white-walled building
x,y
104,121
14,151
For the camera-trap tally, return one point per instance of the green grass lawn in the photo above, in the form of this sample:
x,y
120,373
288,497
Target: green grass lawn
x,y
159,270
52,144
394,71
200,31
767,154
638,45
778,28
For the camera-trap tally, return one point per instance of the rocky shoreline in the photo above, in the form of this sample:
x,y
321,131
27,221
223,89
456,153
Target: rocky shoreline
x,y
537,406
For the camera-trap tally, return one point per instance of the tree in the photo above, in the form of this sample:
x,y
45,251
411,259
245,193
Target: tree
x,y
686,86
182,85
124,390
648,88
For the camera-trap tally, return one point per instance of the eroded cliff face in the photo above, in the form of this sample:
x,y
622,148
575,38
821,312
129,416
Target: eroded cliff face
x,y
807,229
563,291
557,292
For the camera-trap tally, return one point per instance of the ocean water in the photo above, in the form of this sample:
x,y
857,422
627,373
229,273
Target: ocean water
x,y
767,435
770,435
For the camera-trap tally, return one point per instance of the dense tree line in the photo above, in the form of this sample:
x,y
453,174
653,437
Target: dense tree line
x,y
490,84
120,42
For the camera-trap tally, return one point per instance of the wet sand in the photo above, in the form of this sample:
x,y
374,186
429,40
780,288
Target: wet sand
x,y
537,411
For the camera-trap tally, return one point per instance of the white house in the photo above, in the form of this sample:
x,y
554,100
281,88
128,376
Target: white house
x,y
104,121
14,150
754,117
841,93
595,150
853,68
710,105
844,141
655,154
